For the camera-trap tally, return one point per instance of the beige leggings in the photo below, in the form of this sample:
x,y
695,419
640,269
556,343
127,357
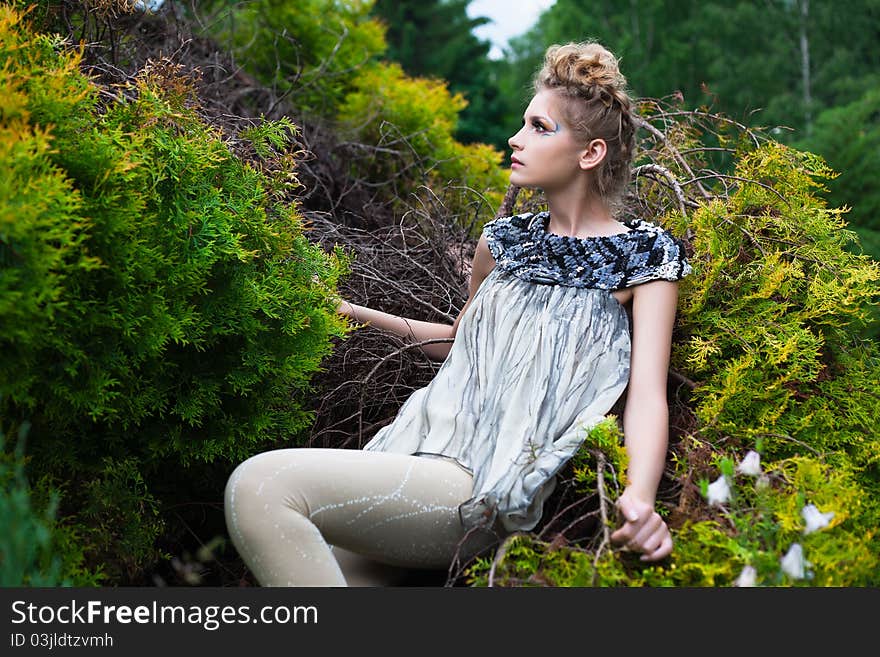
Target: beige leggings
x,y
346,517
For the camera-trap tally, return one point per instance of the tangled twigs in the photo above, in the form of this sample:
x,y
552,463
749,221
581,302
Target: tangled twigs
x,y
683,203
459,564
376,368
677,155
415,268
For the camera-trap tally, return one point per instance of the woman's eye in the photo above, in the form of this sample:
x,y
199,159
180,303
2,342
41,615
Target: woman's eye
x,y
537,125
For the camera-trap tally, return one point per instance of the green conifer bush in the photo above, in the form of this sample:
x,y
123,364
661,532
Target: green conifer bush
x,y
160,304
310,49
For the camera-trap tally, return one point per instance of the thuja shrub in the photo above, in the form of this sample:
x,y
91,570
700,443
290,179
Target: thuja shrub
x,y
160,304
406,126
773,318
777,478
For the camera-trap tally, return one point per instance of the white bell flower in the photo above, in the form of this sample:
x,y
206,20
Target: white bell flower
x,y
751,464
815,519
747,578
719,491
793,563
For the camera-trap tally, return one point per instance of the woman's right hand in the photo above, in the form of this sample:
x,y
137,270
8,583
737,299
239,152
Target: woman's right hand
x,y
643,529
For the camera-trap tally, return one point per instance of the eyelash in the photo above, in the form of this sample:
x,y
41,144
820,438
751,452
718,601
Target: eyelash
x,y
539,126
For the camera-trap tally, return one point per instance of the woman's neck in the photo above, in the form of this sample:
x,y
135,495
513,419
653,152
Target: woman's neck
x,y
582,216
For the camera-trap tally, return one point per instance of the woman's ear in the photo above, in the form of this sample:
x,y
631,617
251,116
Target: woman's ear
x,y
593,154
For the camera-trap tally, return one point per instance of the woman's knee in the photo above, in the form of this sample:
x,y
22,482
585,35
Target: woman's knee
x,y
240,484
270,482
250,483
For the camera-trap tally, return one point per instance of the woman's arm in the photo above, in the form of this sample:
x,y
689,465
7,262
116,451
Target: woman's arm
x,y
646,419
413,329
417,330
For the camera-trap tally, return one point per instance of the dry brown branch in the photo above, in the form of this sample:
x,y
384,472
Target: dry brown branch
x,y
676,153
552,520
678,376
508,202
746,181
673,183
603,509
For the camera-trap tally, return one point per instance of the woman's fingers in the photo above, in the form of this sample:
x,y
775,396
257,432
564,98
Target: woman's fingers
x,y
650,537
663,551
642,530
624,534
643,535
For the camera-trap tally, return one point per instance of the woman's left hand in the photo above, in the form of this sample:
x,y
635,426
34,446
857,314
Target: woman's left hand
x,y
643,529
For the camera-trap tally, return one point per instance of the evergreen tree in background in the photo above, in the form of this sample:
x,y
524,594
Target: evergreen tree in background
x,y
435,39
849,138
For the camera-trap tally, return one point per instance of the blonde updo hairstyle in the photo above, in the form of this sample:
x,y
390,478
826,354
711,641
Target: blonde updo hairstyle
x,y
596,105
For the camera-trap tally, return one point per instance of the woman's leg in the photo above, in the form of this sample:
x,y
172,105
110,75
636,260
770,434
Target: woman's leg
x,y
358,570
286,508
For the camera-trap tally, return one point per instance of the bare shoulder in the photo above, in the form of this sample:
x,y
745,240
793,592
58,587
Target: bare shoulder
x,y
659,293
483,262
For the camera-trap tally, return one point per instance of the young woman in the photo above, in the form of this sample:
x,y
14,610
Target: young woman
x,y
566,309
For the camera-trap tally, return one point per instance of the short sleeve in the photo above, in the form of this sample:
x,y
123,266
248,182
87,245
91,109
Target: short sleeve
x,y
665,260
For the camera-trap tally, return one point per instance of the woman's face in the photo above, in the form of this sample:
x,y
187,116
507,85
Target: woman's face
x,y
546,152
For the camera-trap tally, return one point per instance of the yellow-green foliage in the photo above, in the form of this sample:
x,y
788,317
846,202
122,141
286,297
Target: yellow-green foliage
x,y
769,327
412,121
323,56
160,305
34,192
767,521
773,312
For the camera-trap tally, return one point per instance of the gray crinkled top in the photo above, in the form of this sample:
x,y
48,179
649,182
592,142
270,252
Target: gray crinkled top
x,y
533,366
521,245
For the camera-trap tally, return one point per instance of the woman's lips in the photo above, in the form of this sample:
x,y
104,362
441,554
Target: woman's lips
x,y
515,163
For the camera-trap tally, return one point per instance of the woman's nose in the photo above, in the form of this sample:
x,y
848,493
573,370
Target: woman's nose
x,y
513,142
